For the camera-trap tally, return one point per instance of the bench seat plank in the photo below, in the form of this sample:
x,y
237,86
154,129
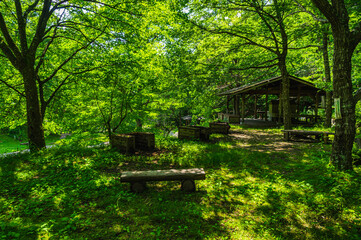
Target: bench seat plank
x,y
304,132
163,175
317,134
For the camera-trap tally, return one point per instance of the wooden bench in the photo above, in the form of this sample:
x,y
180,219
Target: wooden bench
x,y
219,127
318,134
194,132
138,179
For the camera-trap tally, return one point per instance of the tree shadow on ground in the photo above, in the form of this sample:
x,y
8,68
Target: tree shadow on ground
x,y
70,195
292,166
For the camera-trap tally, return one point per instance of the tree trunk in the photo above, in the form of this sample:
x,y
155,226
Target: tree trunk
x,y
345,42
326,64
34,118
285,95
282,55
345,126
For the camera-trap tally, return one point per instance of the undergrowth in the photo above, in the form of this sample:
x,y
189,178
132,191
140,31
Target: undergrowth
x,y
250,192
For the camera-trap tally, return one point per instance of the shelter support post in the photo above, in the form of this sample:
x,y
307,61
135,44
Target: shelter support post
x,y
227,109
243,107
280,108
266,108
255,106
316,107
298,100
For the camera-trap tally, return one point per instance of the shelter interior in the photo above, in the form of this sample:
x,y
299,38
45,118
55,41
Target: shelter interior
x,y
303,94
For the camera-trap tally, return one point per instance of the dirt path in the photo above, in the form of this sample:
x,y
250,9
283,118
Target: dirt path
x,y
268,141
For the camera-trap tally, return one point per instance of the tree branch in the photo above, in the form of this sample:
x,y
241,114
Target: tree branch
x,y
8,38
326,9
317,19
21,27
30,8
8,53
12,87
223,31
44,52
274,38
70,58
255,67
308,46
40,28
56,90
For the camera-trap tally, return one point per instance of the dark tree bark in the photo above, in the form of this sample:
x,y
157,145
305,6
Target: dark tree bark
x,y
342,85
34,118
22,58
345,42
326,63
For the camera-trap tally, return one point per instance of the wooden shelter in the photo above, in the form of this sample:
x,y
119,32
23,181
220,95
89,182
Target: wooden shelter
x,y
272,86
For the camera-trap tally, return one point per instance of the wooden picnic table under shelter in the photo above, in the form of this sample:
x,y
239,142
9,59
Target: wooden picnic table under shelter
x,y
272,110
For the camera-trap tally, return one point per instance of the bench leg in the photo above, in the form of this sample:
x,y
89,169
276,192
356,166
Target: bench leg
x,y
188,186
325,138
138,187
286,136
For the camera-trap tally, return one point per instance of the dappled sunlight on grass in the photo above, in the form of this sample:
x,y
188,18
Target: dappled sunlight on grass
x,y
256,187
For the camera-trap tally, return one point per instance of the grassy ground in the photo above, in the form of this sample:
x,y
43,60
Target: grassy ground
x,y
9,144
257,187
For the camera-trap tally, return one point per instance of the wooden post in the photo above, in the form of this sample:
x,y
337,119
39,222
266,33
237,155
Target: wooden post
x,y
316,107
243,106
286,135
227,110
266,109
298,101
280,108
255,106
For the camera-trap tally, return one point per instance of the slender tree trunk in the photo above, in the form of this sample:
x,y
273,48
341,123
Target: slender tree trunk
x,y
34,118
345,127
282,55
326,63
285,94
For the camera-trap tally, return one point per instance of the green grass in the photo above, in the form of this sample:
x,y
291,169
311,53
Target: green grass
x,y
252,191
9,144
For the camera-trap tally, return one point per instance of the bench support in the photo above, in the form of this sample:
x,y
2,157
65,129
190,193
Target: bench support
x,y
286,136
138,187
188,186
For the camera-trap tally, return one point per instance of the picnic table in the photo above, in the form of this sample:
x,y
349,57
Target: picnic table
x,y
318,134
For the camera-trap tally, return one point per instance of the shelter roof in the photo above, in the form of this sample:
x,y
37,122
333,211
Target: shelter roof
x,y
273,86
